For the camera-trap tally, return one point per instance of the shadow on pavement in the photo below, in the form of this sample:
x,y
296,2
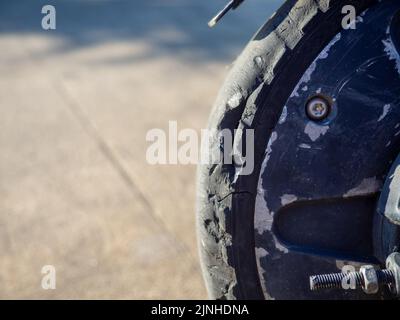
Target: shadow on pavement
x,y
169,27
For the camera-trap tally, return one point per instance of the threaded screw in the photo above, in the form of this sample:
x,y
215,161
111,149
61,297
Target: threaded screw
x,y
334,280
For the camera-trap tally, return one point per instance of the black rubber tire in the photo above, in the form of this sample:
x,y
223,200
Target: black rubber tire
x,y
287,43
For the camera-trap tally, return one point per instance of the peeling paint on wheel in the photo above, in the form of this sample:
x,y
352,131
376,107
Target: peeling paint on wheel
x,y
307,75
385,111
288,199
392,53
314,131
366,186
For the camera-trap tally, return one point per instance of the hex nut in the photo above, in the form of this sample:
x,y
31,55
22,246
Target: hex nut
x,y
371,284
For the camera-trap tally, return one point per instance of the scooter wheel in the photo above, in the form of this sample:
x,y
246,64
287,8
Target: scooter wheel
x,y
254,246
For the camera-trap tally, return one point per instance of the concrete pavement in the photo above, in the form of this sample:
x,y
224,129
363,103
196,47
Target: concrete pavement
x,y
76,191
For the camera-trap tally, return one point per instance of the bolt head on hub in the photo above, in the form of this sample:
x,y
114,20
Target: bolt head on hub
x,y
318,108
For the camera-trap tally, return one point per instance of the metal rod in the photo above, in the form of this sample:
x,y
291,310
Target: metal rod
x,y
233,4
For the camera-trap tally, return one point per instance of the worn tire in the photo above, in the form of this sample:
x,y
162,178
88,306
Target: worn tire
x,y
253,96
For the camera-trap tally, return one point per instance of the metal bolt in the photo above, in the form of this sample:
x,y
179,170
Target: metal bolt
x,y
334,280
318,108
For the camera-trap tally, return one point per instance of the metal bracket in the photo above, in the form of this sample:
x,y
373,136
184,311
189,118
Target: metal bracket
x,y
393,264
390,196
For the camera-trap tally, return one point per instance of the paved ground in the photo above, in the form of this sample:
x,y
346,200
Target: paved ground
x,y
75,189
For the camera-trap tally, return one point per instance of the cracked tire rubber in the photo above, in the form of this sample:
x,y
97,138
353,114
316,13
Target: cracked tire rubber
x,y
253,96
